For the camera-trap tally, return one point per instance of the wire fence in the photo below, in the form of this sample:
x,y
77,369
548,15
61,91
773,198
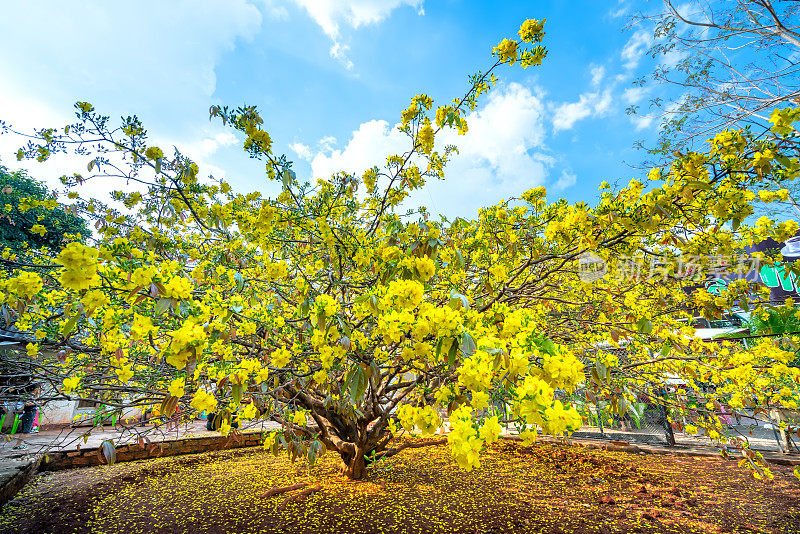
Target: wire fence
x,y
653,422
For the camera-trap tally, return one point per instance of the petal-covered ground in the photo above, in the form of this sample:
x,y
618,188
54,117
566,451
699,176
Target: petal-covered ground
x,y
545,488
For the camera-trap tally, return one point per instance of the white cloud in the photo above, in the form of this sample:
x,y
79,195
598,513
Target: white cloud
x,y
209,145
598,73
150,58
302,151
330,15
567,179
642,122
369,146
594,104
622,8
635,48
274,10
502,155
339,51
634,95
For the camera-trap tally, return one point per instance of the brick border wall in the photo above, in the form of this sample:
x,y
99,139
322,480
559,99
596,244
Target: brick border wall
x,y
58,460
55,461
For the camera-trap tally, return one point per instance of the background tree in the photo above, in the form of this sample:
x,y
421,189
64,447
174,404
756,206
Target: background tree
x,y
31,217
723,64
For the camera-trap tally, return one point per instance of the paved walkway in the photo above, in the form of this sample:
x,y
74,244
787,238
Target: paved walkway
x,y
760,438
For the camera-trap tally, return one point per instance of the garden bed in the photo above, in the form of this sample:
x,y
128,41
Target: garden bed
x,y
544,488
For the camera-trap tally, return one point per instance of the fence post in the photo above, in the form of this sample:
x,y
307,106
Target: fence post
x,y
668,435
600,418
779,433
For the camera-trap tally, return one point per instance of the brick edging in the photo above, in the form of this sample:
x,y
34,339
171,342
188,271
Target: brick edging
x,y
58,460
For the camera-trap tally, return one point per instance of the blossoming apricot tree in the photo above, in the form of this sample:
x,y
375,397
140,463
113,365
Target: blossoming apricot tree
x,y
348,321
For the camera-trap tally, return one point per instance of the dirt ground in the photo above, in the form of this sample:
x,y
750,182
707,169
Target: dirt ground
x,y
545,488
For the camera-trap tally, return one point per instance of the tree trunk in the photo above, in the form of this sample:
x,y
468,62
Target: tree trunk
x,y
355,466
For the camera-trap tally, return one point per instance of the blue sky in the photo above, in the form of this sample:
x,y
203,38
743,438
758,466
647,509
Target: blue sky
x,y
330,78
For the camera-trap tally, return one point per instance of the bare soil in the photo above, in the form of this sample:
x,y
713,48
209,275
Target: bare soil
x,y
546,488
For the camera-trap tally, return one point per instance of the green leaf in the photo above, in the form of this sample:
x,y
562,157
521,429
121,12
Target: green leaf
x,y
630,408
169,405
452,353
468,345
344,326
70,326
239,282
458,301
602,370
287,177
547,346
358,385
162,305
313,452
644,325
458,259
595,375
236,393
694,184
109,451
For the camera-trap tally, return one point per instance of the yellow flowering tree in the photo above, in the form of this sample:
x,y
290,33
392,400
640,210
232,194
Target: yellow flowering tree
x,y
349,320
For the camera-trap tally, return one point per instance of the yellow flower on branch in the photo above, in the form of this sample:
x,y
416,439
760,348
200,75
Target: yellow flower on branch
x,y
38,229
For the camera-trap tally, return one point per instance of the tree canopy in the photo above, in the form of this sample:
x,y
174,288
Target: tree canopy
x,y
32,218
350,318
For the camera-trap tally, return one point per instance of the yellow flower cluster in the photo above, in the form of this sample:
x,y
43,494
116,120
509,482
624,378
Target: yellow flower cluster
x,y
203,401
560,420
425,267
477,371
248,412
281,358
93,300
143,276
465,444
563,370
80,266
25,285
506,51
70,384
403,294
532,31
426,418
327,304
178,288
177,387
782,120
38,229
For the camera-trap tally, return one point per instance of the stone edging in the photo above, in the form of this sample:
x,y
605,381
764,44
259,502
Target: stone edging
x,y
10,486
